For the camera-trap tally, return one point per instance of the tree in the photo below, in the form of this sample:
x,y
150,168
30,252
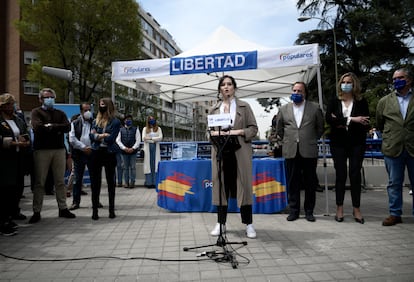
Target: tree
x,y
371,40
84,36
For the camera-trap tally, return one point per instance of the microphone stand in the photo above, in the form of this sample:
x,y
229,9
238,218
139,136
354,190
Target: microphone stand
x,y
226,254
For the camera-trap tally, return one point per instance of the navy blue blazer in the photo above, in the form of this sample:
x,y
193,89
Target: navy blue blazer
x,y
113,127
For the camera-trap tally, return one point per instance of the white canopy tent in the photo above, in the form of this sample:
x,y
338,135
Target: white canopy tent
x,y
191,76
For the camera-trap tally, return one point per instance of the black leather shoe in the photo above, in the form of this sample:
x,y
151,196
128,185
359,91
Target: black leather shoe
x,y
19,216
100,206
310,217
359,220
112,214
83,193
66,214
35,218
95,215
292,217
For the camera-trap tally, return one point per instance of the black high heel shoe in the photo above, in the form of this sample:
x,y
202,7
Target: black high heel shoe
x,y
359,220
339,219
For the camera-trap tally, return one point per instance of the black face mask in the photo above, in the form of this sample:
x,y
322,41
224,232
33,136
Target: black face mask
x,y
102,110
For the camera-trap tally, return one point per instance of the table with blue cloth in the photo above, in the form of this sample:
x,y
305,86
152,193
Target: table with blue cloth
x,y
186,186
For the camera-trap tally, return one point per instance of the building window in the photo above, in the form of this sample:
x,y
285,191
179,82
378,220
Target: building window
x,y
29,57
147,44
31,88
147,28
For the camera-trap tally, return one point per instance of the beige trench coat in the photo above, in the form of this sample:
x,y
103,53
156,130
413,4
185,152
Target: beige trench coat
x,y
244,120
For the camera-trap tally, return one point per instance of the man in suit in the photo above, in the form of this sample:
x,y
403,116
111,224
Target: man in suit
x,y
300,125
395,118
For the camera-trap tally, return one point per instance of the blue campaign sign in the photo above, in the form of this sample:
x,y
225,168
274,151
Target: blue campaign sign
x,y
69,109
214,63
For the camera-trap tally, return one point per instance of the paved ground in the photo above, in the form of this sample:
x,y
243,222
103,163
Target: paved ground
x,y
145,243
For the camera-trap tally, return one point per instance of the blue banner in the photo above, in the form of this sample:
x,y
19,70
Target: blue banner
x,y
214,63
186,185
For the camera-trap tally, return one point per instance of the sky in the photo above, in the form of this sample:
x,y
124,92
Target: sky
x,y
270,23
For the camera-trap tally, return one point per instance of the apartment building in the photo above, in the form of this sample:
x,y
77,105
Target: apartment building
x,y
187,121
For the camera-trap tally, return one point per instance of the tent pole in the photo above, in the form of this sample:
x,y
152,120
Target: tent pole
x,y
325,174
173,105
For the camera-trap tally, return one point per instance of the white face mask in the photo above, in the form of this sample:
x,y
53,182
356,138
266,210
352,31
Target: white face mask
x,y
87,115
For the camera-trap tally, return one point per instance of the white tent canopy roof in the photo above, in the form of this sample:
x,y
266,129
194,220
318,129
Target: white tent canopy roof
x,y
260,72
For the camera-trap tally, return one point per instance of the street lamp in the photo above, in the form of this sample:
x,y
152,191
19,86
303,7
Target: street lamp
x,y
302,19
305,18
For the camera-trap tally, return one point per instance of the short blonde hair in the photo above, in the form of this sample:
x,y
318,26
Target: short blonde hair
x,y
6,98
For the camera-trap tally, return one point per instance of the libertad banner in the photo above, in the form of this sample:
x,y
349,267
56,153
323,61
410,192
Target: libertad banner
x,y
301,55
214,63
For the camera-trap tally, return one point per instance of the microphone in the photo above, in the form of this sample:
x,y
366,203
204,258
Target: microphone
x,y
57,72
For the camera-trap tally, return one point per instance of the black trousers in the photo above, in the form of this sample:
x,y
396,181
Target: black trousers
x,y
301,171
229,170
99,159
341,155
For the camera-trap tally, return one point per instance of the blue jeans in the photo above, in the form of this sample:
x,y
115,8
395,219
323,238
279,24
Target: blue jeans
x,y
396,168
119,167
129,167
79,164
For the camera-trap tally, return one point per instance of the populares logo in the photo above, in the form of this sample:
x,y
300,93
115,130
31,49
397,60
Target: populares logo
x,y
294,56
132,70
176,186
267,188
207,184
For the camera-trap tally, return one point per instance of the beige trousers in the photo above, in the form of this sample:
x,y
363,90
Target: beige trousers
x,y
56,160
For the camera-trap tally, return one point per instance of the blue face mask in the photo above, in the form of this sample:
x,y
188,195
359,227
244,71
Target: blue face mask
x,y
152,122
49,102
399,84
128,122
346,87
296,98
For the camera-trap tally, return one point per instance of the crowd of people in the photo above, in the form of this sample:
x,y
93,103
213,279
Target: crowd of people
x,y
107,141
53,145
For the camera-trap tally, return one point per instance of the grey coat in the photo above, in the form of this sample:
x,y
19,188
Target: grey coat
x,y
305,138
244,120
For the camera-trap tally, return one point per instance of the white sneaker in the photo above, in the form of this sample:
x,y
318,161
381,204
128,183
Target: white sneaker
x,y
250,232
216,230
411,192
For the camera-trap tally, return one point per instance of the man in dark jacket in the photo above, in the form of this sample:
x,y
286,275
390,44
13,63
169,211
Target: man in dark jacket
x,y
49,128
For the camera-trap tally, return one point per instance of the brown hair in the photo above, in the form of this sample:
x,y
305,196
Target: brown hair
x,y
102,119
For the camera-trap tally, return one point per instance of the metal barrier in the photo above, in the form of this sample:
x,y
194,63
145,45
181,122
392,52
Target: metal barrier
x,y
262,149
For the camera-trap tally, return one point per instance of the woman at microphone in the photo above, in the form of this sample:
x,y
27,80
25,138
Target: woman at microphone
x,y
234,162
